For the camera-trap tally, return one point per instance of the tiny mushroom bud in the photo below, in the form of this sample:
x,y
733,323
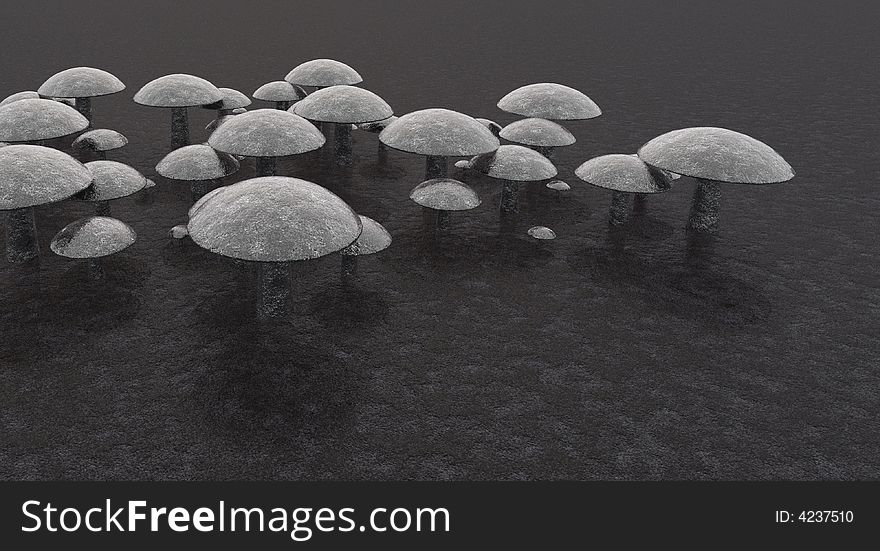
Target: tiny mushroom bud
x,y
542,233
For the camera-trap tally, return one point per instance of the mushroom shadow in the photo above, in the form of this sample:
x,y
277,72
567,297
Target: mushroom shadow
x,y
349,307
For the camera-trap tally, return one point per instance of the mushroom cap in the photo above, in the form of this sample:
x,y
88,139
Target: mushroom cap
x,y
204,198
27,94
716,154
377,126
542,232
439,132
35,175
266,133
493,126
232,99
273,219
93,237
515,163
445,194
197,162
38,119
279,90
80,82
373,238
112,180
548,100
626,173
343,104
100,139
323,72
538,133
558,185
178,90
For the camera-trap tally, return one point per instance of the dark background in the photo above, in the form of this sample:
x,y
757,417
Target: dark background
x,y
636,354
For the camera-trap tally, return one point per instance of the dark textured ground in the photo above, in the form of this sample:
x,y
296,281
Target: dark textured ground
x,y
603,354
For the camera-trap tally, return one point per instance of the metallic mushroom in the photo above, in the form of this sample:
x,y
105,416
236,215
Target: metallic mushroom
x,y
541,135
548,100
439,133
712,156
177,92
373,238
100,140
112,180
513,164
199,164
624,175
441,196
82,84
33,175
321,73
33,120
281,92
93,237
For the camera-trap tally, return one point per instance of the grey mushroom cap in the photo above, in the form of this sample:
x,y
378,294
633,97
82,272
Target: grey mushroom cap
x,y
549,100
377,126
716,154
542,232
439,132
38,119
626,173
323,72
81,82
343,104
232,99
515,163
112,180
373,238
27,94
178,90
93,237
266,133
445,194
198,204
100,139
558,185
33,175
279,90
197,162
274,219
538,133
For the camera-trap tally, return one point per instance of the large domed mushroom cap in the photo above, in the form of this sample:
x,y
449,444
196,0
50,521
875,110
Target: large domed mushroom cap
x,y
716,154
625,173
538,133
549,101
439,132
266,133
39,119
445,194
323,72
373,238
178,90
232,99
515,163
197,162
274,219
100,139
80,82
343,104
279,90
93,237
35,175
18,96
112,180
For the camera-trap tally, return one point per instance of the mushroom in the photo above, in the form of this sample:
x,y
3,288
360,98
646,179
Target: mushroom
x,y
93,237
32,175
34,120
541,135
438,133
548,100
273,220
624,175
712,156
373,238
27,94
343,106
443,195
558,186
283,93
112,180
177,92
101,141
513,164
376,128
321,73
493,126
200,164
82,84
232,101
266,134
542,233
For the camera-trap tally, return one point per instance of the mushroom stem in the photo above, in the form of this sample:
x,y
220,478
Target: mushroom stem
x,y
102,155
545,151
640,203
349,265
266,166
179,127
84,106
198,188
343,144
21,235
96,269
621,206
704,210
435,167
282,105
274,288
102,208
443,220
509,196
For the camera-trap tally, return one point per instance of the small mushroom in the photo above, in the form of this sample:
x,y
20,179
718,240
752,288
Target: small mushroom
x,y
559,187
549,100
321,73
101,141
442,196
624,175
199,164
266,134
34,120
32,175
438,133
281,92
712,156
373,238
112,180
541,135
513,164
93,237
27,94
82,84
178,92
179,231
542,233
